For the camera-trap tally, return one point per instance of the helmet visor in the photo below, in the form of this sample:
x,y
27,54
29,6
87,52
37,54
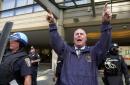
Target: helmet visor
x,y
13,37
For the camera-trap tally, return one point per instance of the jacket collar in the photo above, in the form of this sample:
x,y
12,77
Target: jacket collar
x,y
84,49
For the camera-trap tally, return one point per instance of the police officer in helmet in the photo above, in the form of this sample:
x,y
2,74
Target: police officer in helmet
x,y
21,68
115,67
114,49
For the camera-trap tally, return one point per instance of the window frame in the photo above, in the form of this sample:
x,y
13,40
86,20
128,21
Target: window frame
x,y
33,5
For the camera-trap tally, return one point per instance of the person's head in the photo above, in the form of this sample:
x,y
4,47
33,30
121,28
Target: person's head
x,y
114,49
17,41
32,50
80,38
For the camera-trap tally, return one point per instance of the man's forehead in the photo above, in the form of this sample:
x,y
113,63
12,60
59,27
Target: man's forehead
x,y
80,31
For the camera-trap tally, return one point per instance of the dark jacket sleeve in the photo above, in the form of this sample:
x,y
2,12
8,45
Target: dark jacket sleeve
x,y
102,46
57,42
125,71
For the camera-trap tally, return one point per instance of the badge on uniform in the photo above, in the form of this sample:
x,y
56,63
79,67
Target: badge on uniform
x,y
88,57
28,62
13,82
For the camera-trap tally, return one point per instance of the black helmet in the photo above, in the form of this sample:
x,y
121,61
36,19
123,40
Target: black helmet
x,y
114,48
114,45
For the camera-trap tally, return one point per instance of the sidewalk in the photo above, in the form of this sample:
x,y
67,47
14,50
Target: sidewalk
x,y
45,75
45,78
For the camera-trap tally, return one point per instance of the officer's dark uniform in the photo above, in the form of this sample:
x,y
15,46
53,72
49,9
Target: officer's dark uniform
x,y
115,67
34,67
21,67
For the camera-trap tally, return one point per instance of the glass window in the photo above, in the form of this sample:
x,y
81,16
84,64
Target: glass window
x,y
8,4
37,8
20,3
101,0
30,2
7,13
69,3
23,2
78,2
21,7
23,10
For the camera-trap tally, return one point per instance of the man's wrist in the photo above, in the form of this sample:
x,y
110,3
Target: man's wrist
x,y
106,26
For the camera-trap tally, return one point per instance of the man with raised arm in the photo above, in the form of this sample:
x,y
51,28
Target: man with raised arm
x,y
81,61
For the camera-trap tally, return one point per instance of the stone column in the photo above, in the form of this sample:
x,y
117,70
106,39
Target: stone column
x,y
0,5
61,32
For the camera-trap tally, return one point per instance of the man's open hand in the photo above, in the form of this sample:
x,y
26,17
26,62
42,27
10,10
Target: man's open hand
x,y
50,18
106,17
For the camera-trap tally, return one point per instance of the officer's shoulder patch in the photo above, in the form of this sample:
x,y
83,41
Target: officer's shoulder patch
x,y
27,61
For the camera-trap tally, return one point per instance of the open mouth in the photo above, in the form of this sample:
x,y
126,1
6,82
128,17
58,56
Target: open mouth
x,y
79,40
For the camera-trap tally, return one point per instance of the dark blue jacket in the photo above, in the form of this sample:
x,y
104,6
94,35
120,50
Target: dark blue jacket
x,y
82,70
